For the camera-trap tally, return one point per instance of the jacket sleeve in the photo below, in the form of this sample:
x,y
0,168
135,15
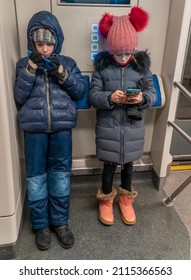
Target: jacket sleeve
x,y
74,84
24,82
99,98
149,94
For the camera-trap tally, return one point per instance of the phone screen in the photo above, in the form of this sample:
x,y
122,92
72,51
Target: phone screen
x,y
133,90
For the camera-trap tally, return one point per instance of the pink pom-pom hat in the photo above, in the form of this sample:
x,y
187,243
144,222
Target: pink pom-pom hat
x,y
121,31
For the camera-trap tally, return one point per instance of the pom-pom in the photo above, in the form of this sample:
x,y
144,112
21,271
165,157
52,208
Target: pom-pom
x,y
138,18
105,24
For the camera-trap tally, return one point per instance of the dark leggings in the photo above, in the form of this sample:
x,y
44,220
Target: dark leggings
x,y
108,174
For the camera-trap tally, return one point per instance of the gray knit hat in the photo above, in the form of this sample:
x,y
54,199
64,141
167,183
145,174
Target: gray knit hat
x,y
43,35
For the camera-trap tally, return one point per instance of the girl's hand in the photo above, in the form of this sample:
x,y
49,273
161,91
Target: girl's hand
x,y
134,98
118,97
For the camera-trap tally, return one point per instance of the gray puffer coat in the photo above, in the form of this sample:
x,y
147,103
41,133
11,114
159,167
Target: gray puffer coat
x,y
119,139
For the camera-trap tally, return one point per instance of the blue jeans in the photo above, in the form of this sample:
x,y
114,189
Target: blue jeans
x,y
48,158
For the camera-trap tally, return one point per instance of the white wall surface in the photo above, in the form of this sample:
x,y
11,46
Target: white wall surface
x,y
11,197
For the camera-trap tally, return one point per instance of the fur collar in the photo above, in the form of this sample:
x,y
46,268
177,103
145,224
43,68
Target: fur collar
x,y
140,63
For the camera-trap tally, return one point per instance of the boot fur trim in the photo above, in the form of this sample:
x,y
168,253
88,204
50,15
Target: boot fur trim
x,y
101,196
131,194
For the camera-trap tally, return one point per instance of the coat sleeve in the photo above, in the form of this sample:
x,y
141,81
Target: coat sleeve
x,y
74,84
23,83
99,98
149,94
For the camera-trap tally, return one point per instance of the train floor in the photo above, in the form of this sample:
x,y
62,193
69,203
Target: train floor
x,y
161,232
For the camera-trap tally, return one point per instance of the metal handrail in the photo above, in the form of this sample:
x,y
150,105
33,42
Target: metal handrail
x,y
180,131
183,90
168,201
187,94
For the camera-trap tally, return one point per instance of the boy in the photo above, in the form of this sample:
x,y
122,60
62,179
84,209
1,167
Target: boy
x,y
47,87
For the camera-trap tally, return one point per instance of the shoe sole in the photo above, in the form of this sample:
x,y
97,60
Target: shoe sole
x,y
107,223
64,246
43,248
127,222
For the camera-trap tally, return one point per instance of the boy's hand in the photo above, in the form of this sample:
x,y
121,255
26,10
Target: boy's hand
x,y
35,60
57,69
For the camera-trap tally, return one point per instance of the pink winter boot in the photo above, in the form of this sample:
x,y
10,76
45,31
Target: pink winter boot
x,y
126,200
106,206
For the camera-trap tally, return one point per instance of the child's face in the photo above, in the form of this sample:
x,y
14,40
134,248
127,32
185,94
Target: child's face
x,y
122,58
45,49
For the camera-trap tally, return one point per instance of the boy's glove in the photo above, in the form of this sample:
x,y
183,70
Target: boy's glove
x,y
35,61
57,69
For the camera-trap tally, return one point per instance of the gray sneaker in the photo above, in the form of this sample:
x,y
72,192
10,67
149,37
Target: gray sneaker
x,y
65,236
43,238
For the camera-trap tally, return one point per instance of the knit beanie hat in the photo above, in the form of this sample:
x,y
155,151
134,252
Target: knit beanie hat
x,y
121,31
43,35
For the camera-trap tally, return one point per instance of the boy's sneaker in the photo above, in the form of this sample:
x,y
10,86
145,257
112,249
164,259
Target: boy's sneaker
x,y
65,236
43,238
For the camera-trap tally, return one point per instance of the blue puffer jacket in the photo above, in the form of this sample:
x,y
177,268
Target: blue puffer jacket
x,y
46,105
119,139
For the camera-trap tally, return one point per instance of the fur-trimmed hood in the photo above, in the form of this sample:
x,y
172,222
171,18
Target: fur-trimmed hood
x,y
141,61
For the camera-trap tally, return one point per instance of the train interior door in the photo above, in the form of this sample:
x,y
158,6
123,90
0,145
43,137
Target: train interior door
x,y
180,147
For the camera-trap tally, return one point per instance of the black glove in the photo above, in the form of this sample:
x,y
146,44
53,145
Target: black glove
x,y
35,61
134,113
57,69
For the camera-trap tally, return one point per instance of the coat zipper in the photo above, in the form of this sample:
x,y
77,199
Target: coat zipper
x,y
121,120
48,103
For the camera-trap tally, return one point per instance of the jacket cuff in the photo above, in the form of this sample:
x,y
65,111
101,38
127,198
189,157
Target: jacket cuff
x,y
63,77
30,70
143,101
109,99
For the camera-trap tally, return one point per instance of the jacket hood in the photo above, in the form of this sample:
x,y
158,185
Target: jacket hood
x,y
141,61
45,19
